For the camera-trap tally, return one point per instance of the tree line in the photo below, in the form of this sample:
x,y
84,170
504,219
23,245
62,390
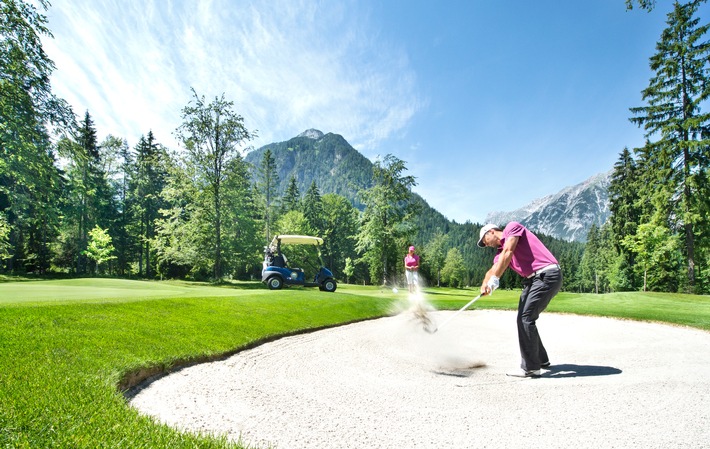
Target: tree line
x,y
72,204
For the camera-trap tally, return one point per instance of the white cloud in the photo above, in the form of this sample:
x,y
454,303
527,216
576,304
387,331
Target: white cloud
x,y
287,65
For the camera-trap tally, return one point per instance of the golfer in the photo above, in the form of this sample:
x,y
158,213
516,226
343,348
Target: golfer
x,y
521,250
411,267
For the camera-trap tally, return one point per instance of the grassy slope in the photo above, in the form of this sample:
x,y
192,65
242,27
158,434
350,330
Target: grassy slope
x,y
67,344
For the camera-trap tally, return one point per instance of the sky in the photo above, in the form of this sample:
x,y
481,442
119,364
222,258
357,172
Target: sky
x,y
491,104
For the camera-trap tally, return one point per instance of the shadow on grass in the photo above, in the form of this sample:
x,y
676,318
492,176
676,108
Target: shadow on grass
x,y
570,370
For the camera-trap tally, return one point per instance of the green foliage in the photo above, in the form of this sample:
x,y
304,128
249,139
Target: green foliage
x,y
329,160
453,271
212,134
674,116
291,199
266,183
293,222
29,181
4,238
100,249
656,250
312,205
435,252
341,225
384,228
643,4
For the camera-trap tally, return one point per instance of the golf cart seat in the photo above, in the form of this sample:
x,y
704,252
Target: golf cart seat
x,y
279,261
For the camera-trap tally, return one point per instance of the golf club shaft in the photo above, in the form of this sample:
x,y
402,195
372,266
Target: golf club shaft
x,y
459,311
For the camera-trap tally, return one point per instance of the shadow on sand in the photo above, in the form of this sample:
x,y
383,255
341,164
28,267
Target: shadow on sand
x,y
569,370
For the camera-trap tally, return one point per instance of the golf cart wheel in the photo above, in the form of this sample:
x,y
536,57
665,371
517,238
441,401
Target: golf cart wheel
x,y
275,283
329,285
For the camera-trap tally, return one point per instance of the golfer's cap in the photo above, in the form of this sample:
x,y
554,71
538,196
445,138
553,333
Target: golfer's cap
x,y
484,230
411,248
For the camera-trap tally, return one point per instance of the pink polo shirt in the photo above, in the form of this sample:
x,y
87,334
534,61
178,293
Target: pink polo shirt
x,y
411,261
530,254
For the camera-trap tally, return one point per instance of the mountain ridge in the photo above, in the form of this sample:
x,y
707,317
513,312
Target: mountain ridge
x,y
337,167
567,214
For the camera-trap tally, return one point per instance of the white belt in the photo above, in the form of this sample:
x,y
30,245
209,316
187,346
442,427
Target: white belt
x,y
543,269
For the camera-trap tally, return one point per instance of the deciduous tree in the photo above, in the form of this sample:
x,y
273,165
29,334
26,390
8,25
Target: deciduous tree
x,y
212,133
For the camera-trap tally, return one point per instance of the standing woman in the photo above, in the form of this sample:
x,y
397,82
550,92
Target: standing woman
x,y
411,266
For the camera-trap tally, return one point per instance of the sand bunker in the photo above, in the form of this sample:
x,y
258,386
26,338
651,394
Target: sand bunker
x,y
387,384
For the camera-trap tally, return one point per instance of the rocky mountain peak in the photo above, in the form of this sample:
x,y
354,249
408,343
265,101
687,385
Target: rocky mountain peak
x,y
567,214
312,134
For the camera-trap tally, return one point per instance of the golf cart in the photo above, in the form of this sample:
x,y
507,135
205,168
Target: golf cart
x,y
276,273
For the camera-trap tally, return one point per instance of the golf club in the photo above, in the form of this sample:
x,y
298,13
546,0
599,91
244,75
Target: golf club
x,y
454,315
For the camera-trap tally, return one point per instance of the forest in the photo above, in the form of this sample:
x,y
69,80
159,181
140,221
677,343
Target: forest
x,y
75,204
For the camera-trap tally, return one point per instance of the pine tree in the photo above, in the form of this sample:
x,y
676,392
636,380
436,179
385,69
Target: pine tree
x,y
341,222
313,209
267,184
292,197
675,96
29,180
147,184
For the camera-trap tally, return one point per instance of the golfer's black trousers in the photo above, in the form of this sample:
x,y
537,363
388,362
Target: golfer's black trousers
x,y
537,294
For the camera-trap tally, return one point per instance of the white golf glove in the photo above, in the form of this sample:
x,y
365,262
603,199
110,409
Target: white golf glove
x,y
493,283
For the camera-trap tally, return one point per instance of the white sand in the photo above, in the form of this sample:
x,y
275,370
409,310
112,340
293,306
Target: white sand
x,y
387,384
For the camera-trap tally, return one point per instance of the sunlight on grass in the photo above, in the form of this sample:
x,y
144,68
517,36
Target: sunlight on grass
x,y
68,344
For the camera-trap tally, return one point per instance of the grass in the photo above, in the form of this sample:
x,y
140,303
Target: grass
x,y
68,347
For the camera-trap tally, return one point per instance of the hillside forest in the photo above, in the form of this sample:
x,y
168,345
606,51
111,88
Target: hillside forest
x,y
72,204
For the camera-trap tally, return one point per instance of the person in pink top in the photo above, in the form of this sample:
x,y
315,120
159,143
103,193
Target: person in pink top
x,y
411,267
521,250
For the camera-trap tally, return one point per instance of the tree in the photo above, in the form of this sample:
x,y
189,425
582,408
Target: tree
x,y
4,238
454,268
121,176
179,241
675,96
212,134
29,114
657,251
88,196
384,221
242,232
341,225
99,248
435,251
292,197
313,209
648,5
147,183
267,181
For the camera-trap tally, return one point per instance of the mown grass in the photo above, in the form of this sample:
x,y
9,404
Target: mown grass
x,y
67,345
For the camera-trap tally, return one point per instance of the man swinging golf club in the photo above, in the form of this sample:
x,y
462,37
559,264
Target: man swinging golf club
x,y
521,250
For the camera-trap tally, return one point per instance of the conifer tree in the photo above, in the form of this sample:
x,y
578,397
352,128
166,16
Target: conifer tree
x,y
675,97
29,113
267,182
292,197
313,209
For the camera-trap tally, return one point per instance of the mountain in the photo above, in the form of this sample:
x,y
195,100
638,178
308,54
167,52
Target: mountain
x,y
328,159
568,214
337,167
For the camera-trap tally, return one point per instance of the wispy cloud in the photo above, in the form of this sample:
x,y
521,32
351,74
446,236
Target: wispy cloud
x,y
287,65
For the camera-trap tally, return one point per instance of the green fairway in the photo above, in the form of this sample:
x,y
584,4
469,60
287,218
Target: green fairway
x,y
67,345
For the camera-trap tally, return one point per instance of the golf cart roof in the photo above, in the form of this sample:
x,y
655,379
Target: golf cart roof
x,y
296,240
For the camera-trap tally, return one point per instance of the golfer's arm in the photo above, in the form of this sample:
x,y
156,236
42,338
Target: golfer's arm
x,y
504,259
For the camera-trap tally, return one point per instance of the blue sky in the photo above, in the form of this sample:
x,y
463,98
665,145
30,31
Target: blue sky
x,y
491,104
